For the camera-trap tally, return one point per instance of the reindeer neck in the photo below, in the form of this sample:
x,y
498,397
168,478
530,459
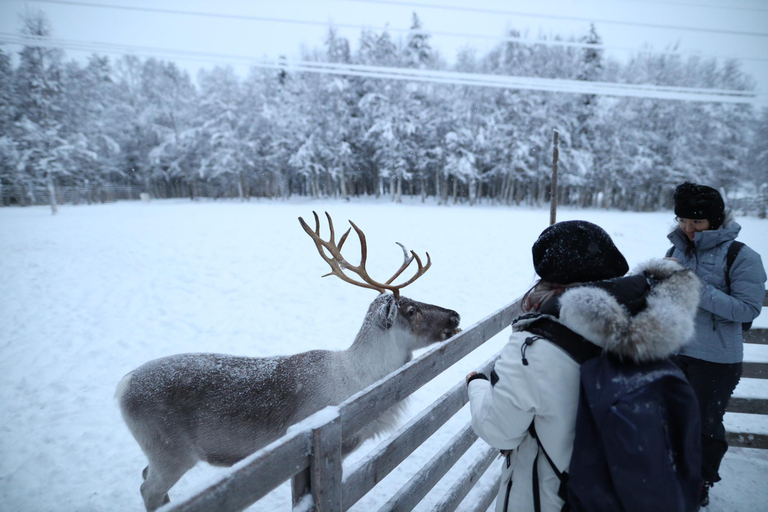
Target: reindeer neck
x,y
376,353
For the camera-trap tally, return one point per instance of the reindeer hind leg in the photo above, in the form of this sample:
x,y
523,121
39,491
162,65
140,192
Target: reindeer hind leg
x,y
162,474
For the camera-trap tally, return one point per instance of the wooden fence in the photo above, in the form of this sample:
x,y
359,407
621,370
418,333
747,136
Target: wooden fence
x,y
310,454
745,420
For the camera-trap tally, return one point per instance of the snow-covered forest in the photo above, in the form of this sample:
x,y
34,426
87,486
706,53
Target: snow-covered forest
x,y
86,131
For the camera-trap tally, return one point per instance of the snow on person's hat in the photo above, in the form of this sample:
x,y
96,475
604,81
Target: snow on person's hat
x,y
699,202
577,251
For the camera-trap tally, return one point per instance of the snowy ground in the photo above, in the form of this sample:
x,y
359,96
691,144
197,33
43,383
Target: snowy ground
x,y
93,292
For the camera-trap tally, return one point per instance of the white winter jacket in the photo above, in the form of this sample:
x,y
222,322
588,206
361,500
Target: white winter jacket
x,y
546,390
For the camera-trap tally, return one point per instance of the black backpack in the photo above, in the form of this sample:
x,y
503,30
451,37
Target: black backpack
x,y
730,257
637,446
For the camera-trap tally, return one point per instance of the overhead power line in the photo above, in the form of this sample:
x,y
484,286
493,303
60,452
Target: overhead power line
x,y
419,75
561,18
508,39
697,5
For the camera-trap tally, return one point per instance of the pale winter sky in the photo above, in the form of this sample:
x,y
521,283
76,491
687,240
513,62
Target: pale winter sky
x,y
259,29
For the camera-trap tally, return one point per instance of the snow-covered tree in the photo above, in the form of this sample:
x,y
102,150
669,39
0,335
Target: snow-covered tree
x,y
170,95
222,127
418,52
42,149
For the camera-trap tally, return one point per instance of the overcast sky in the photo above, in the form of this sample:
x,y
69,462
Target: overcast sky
x,y
734,28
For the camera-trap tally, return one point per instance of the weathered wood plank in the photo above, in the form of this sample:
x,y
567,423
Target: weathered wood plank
x,y
422,482
485,501
368,404
756,335
468,479
748,405
325,466
252,478
754,370
746,440
363,476
300,486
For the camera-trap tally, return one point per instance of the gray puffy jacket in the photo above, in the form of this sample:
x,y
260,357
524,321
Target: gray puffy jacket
x,y
721,312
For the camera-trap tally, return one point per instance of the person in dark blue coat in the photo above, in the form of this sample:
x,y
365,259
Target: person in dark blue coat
x,y
712,361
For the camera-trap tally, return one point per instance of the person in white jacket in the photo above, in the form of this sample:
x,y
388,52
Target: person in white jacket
x,y
538,383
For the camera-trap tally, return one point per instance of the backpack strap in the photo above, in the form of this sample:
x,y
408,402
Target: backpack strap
x,y
730,257
733,251
561,475
579,348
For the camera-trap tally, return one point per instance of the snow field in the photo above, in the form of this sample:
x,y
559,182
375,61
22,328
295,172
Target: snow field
x,y
95,291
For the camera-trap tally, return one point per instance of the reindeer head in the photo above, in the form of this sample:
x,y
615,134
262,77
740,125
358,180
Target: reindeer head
x,y
424,323
420,322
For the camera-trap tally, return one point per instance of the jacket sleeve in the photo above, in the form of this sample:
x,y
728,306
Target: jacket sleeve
x,y
745,301
501,414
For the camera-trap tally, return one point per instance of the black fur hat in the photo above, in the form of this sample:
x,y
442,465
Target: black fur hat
x,y
699,202
577,251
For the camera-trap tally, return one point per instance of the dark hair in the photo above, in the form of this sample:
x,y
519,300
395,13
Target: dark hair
x,y
694,201
542,292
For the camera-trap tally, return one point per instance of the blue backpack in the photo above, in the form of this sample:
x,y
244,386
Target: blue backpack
x,y
637,446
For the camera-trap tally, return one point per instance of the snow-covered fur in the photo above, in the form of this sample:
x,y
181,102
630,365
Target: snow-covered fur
x,y
219,408
659,330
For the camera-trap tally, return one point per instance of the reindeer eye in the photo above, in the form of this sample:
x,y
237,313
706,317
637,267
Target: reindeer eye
x,y
410,311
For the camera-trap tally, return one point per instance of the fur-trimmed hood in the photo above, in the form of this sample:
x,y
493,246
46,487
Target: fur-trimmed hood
x,y
659,330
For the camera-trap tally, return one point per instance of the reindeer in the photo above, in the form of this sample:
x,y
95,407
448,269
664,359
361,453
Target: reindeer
x,y
217,408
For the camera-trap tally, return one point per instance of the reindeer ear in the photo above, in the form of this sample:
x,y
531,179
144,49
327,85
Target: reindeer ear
x,y
387,312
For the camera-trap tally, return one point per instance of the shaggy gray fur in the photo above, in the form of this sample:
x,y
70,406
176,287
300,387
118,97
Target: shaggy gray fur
x,y
655,333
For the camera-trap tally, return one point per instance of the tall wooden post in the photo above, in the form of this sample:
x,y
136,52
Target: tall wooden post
x,y
553,202
323,477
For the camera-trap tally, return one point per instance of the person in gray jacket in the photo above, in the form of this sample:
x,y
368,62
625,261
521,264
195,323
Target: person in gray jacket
x,y
712,360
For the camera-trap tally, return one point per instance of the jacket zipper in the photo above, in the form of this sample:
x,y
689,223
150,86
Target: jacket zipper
x,y
719,333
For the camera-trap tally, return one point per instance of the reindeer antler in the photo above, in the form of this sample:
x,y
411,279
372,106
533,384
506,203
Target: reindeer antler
x,y
338,264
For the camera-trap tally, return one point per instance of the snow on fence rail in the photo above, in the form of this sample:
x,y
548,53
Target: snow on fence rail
x,y
310,453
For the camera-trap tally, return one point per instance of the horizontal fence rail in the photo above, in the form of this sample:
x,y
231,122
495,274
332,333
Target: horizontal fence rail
x,y
252,478
368,472
310,454
459,491
746,420
422,482
361,408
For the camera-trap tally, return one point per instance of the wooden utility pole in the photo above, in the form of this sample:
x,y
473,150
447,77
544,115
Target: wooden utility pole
x,y
553,201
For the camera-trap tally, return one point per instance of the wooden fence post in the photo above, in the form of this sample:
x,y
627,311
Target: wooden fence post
x,y
553,202
323,477
300,487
